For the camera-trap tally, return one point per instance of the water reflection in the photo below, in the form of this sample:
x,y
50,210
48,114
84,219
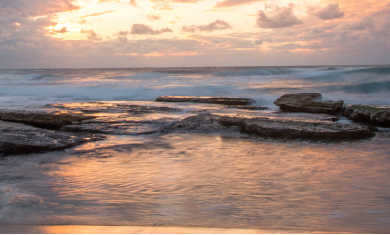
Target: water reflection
x,y
237,181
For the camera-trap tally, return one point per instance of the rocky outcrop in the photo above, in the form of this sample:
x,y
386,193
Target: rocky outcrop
x,y
117,128
204,123
371,114
248,107
308,102
111,107
276,128
50,119
210,100
287,129
19,139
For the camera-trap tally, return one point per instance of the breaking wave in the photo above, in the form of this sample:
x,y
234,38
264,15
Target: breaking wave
x,y
264,84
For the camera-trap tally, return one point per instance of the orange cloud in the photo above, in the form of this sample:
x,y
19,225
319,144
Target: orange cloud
x,y
29,8
184,53
187,53
96,14
131,54
234,3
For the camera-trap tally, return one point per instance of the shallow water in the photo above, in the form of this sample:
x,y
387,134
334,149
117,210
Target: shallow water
x,y
227,179
220,180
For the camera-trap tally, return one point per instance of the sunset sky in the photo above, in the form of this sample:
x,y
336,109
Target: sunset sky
x,y
172,33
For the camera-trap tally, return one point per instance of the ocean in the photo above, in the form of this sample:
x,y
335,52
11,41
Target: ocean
x,y
205,180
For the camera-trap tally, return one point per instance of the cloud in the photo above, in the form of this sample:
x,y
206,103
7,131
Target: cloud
x,y
365,23
62,30
82,18
280,17
234,3
131,2
167,5
145,29
177,1
316,30
96,14
153,17
123,33
91,34
216,25
329,12
32,8
122,39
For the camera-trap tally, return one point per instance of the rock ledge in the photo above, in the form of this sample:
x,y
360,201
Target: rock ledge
x,y
210,100
308,102
371,114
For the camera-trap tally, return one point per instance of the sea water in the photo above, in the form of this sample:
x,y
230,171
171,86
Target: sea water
x,y
229,180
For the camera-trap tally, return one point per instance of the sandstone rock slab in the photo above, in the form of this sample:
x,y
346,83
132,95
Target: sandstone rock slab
x,y
36,140
370,114
275,127
287,129
99,107
210,100
204,123
248,107
116,128
308,102
49,119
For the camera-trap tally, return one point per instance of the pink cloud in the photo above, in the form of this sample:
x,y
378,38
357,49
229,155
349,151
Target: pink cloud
x,y
145,29
29,8
234,3
329,12
216,25
279,17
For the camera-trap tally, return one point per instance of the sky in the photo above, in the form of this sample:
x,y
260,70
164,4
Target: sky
x,y
192,33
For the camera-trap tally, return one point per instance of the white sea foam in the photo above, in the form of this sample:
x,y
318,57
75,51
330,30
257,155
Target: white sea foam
x,y
14,204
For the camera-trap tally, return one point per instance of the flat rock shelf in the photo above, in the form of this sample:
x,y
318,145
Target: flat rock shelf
x,y
370,114
308,102
276,128
20,139
211,100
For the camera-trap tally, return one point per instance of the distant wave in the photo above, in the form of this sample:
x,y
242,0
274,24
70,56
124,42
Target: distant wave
x,y
352,84
365,88
258,72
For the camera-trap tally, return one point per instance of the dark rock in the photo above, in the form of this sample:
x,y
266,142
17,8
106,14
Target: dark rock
x,y
279,128
332,119
371,114
116,128
20,140
275,128
249,107
110,107
50,119
211,100
308,102
204,123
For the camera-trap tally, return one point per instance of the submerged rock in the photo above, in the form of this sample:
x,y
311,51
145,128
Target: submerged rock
x,y
50,119
308,102
210,100
23,140
370,114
